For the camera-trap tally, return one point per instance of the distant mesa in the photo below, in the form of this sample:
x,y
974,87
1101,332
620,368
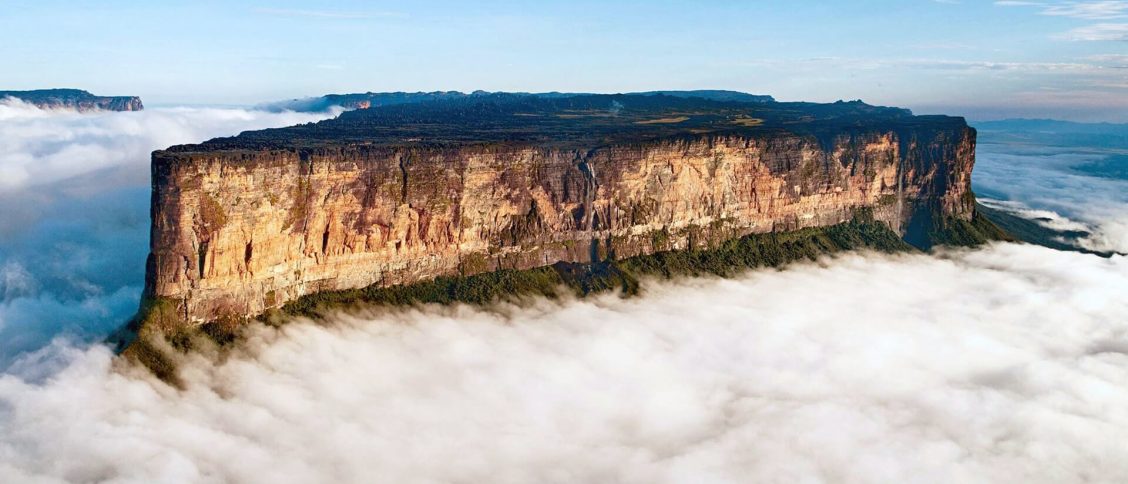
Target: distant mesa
x,y
376,99
75,99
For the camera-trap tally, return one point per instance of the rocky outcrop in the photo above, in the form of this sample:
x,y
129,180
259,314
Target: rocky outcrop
x,y
74,99
243,225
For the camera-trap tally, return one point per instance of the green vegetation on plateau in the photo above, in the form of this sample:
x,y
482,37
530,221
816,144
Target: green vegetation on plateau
x,y
577,121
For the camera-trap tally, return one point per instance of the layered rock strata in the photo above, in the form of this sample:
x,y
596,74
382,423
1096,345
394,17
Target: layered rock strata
x,y
242,226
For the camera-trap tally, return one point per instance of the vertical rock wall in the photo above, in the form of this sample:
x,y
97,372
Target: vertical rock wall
x,y
237,232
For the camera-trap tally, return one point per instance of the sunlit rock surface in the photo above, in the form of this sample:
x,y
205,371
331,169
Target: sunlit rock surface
x,y
399,194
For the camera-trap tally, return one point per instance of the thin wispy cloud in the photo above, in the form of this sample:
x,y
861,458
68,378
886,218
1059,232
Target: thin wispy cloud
x,y
326,14
1003,66
948,46
1103,10
1115,60
1098,10
1089,65
1115,85
1098,32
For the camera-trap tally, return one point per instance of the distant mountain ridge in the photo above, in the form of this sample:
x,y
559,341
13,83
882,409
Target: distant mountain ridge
x,y
76,99
376,99
1052,125
1057,133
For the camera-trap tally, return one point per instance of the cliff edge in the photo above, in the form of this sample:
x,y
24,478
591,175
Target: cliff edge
x,y
75,99
403,194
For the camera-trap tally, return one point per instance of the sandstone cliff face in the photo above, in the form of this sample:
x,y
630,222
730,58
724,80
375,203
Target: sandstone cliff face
x,y
75,99
115,103
241,231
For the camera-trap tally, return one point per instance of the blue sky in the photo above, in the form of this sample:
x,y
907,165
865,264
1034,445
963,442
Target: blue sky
x,y
983,59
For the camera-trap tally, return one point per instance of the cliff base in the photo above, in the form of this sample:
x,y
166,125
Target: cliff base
x,y
158,337
1032,232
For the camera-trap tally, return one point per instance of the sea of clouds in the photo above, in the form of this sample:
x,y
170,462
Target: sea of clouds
x,y
74,212
1007,363
1042,182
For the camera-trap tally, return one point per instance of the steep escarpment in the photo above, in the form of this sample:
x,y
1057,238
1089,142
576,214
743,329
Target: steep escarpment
x,y
405,194
75,99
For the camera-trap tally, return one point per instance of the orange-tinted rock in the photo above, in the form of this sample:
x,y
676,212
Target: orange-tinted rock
x,y
240,231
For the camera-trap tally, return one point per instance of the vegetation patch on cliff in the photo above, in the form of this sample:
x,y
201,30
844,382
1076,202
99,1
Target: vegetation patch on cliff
x,y
162,338
212,216
300,205
768,250
1033,232
967,233
144,338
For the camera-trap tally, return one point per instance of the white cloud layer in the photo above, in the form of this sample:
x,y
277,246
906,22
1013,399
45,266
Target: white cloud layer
x,y
74,212
1044,178
39,147
1008,364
